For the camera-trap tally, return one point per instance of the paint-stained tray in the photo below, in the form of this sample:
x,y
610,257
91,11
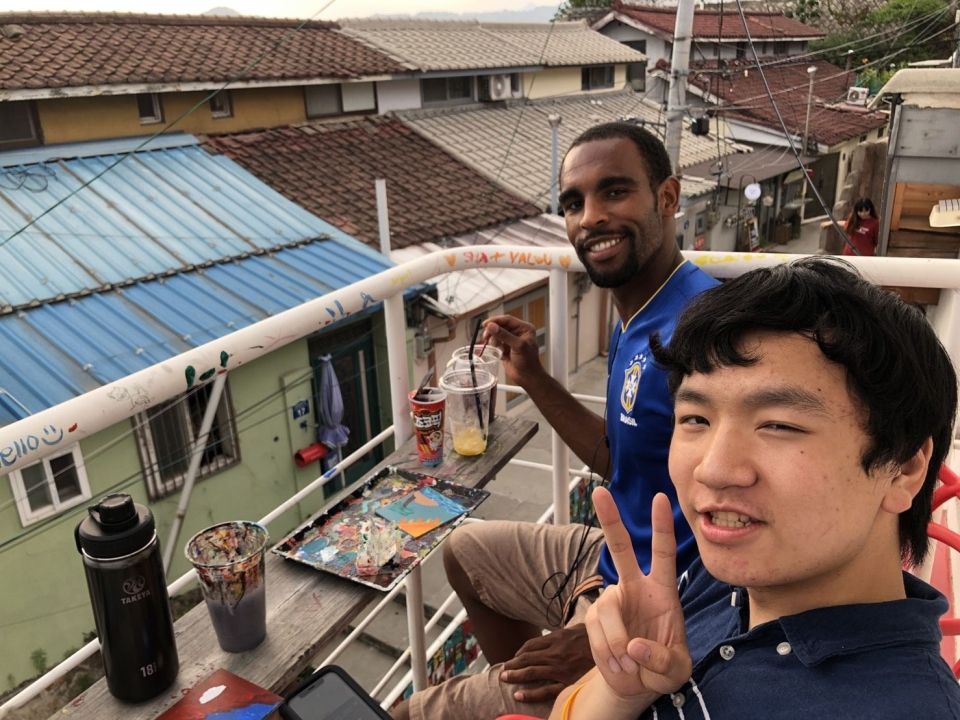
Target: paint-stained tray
x,y
330,539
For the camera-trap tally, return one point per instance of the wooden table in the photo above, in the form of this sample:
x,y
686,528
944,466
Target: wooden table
x,y
305,608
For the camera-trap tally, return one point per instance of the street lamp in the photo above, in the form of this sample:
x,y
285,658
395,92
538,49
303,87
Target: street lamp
x,y
811,72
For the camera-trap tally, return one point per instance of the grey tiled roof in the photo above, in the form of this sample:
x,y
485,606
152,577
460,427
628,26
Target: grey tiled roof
x,y
431,45
511,143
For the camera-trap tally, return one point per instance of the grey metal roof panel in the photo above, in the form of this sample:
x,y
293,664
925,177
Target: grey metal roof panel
x,y
64,349
154,212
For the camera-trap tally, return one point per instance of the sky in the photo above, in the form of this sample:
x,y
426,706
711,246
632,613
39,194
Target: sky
x,y
281,8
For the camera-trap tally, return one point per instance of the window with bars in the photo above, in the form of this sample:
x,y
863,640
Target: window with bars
x,y
56,483
166,435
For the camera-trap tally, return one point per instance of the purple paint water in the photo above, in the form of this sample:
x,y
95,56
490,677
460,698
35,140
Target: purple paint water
x,y
244,626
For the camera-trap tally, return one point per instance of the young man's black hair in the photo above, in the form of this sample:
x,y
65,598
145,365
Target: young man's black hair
x,y
896,367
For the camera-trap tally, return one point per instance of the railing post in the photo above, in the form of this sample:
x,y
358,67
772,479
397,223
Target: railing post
x,y
403,429
558,368
945,318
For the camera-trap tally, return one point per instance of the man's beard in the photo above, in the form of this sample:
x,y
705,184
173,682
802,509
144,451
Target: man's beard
x,y
614,277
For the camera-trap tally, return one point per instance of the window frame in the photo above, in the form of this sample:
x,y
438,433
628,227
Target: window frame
x,y
471,97
338,89
157,116
29,516
588,81
156,485
35,138
226,110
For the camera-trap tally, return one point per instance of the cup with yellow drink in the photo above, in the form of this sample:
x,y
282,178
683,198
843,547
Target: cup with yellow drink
x,y
468,406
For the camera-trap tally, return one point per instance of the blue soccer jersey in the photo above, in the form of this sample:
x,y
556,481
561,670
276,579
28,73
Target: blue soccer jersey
x,y
640,418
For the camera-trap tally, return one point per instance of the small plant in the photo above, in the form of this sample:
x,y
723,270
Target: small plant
x,y
39,659
81,681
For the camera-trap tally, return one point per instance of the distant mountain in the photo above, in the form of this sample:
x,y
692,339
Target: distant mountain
x,y
222,12
539,13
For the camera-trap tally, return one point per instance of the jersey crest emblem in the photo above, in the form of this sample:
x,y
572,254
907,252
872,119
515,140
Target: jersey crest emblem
x,y
631,383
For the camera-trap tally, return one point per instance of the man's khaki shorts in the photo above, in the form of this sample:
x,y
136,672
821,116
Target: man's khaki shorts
x,y
508,563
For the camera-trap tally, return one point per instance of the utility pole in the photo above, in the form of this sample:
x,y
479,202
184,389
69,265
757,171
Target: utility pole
x,y
554,121
955,60
812,72
679,69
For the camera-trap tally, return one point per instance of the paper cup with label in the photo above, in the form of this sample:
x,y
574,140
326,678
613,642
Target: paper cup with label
x,y
428,407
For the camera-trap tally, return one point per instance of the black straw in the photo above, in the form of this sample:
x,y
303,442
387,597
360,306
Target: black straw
x,y
473,377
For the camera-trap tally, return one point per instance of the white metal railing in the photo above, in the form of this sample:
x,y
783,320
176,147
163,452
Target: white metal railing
x,y
96,410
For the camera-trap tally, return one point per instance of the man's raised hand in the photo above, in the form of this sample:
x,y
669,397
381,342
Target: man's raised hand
x,y
636,629
517,340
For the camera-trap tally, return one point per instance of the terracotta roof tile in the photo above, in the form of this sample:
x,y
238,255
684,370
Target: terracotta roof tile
x,y
707,23
742,93
56,50
330,169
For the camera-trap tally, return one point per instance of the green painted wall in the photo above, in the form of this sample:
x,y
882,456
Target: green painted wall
x,y
43,598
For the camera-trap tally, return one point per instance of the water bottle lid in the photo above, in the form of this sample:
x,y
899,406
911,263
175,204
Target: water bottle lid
x,y
115,527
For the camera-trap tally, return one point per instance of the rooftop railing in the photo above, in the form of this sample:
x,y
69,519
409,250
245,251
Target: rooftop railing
x,y
97,410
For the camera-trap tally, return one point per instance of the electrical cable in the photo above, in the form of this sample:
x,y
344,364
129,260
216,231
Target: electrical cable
x,y
123,156
806,173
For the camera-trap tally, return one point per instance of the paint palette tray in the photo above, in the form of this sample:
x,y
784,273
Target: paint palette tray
x,y
333,539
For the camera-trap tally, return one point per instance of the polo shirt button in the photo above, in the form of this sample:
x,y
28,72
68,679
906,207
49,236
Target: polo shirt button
x,y
727,652
678,699
784,648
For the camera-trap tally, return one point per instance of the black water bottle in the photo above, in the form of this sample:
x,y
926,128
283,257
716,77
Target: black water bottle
x,y
121,557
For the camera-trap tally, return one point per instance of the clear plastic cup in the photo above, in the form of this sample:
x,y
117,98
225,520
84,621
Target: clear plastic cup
x,y
229,559
468,408
489,361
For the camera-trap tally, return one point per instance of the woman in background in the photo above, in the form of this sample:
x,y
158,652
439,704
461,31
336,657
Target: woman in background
x,y
863,228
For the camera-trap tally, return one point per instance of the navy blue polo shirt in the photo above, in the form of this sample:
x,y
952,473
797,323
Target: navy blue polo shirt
x,y
876,661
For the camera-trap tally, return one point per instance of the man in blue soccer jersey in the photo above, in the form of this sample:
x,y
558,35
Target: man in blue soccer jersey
x,y
619,199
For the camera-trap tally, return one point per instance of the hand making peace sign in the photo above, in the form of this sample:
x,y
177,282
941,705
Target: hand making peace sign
x,y
636,628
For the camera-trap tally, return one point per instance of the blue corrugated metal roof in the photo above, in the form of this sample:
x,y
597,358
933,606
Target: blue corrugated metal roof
x,y
59,350
155,212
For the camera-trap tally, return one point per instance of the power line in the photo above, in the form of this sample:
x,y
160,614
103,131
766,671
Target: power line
x,y
789,137
123,157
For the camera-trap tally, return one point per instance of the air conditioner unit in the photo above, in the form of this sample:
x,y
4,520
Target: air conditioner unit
x,y
858,95
500,87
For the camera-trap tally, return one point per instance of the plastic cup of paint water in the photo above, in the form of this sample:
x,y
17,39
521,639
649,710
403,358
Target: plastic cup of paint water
x,y
428,407
468,408
229,559
489,361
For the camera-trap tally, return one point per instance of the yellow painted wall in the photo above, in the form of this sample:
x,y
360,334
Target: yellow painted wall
x,y
95,118
565,81
552,81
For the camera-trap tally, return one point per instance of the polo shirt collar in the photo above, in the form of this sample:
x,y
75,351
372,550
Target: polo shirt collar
x,y
824,633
